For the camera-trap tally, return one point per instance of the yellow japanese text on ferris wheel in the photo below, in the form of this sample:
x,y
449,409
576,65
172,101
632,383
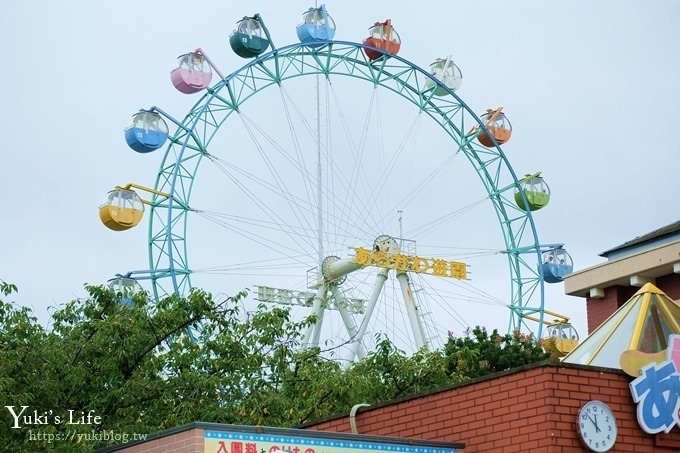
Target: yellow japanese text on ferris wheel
x,y
433,266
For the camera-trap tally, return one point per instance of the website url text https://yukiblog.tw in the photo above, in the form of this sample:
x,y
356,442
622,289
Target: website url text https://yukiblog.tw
x,y
109,436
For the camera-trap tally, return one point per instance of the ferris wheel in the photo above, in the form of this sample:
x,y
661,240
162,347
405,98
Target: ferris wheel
x,y
344,181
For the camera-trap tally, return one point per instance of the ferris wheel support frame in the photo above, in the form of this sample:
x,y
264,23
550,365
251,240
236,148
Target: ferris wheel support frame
x,y
413,315
334,271
357,349
168,252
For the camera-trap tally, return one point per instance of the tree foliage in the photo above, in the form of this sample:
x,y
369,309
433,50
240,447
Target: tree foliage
x,y
479,354
134,367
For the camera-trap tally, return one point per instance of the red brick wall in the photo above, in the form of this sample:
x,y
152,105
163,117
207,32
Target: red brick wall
x,y
598,310
533,409
670,284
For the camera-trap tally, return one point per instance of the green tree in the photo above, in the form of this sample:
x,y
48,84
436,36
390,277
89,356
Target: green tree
x,y
314,387
479,354
134,367
388,373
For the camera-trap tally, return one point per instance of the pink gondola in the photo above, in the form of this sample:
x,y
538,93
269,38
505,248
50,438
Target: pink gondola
x,y
193,73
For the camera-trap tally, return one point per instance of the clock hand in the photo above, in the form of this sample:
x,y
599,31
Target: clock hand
x,y
594,422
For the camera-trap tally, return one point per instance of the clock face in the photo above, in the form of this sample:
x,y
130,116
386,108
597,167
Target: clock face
x,y
597,426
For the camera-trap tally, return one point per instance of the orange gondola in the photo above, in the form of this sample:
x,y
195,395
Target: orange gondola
x,y
498,125
382,37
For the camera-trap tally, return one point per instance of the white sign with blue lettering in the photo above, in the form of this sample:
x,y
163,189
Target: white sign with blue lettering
x,y
657,391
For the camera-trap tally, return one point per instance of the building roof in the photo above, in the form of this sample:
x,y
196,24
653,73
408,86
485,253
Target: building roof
x,y
661,233
634,335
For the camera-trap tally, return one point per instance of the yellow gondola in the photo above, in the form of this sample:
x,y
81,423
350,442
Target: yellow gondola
x,y
123,210
562,339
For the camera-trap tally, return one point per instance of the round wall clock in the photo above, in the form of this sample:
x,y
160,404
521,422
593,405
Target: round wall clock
x,y
596,426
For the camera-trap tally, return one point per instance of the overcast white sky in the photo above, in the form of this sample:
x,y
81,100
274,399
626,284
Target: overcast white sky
x,y
591,89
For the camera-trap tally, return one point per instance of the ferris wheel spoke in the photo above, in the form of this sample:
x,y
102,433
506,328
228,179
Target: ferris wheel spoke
x,y
359,182
282,187
446,219
246,229
280,266
339,185
283,225
293,231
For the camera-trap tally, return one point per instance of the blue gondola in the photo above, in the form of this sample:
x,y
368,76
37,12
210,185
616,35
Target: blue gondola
x,y
557,264
317,27
250,38
147,132
126,286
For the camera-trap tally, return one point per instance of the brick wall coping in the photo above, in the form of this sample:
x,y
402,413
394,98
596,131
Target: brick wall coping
x,y
449,387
